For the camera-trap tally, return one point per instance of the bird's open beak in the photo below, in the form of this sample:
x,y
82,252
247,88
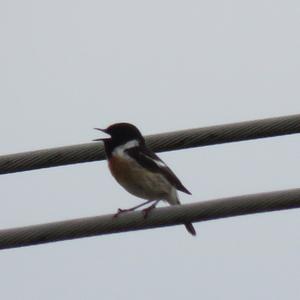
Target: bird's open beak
x,y
101,139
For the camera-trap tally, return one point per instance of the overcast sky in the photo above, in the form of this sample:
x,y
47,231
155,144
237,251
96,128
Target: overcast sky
x,y
69,66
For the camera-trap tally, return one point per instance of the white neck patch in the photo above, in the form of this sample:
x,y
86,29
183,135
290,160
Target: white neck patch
x,y
119,151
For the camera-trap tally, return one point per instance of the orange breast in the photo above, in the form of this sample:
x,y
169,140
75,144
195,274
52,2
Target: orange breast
x,y
137,180
119,168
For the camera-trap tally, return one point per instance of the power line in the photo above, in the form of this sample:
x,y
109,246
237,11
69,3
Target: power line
x,y
160,142
166,216
209,210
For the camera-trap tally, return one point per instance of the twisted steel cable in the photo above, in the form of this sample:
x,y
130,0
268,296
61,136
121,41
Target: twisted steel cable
x,y
159,217
160,142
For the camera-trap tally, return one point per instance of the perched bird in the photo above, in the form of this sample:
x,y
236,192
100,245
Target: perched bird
x,y
139,170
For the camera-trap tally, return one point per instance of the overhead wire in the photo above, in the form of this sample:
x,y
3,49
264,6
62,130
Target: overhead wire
x,y
169,141
159,217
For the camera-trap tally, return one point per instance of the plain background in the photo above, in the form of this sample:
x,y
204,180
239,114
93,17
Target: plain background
x,y
69,66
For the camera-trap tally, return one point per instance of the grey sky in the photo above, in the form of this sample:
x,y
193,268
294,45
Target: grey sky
x,y
69,66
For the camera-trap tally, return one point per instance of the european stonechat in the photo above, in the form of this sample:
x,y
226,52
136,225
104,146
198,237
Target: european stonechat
x,y
139,170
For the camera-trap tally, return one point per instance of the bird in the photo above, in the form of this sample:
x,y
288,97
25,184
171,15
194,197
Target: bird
x,y
139,170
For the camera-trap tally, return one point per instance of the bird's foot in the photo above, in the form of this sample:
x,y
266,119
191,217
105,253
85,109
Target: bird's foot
x,y
147,210
121,211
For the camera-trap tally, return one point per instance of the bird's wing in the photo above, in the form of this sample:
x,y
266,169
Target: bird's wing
x,y
152,162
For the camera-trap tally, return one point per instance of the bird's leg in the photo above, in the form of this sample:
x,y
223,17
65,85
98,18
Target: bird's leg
x,y
120,211
147,210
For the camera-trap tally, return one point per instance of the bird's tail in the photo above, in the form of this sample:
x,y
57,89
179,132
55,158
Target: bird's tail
x,y
175,201
190,228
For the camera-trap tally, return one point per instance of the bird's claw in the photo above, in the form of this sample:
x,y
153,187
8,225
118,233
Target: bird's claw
x,y
147,210
120,211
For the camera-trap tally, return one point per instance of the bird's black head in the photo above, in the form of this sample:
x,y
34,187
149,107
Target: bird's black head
x,y
123,132
120,133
